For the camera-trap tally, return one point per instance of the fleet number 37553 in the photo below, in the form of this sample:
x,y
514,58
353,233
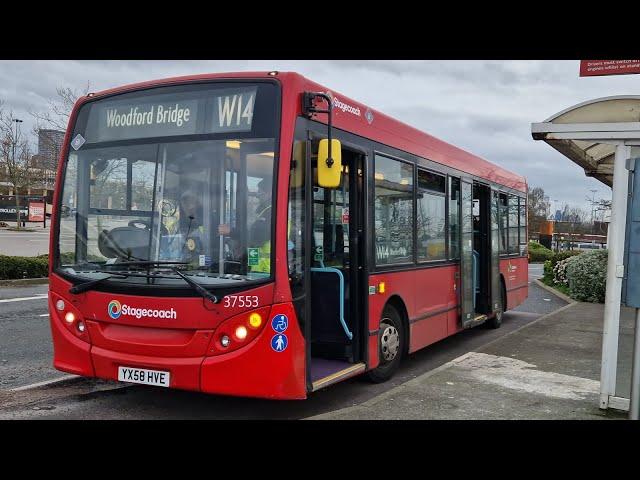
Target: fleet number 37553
x,y
241,301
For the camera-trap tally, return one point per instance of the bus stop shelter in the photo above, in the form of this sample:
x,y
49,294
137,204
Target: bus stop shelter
x,y
599,136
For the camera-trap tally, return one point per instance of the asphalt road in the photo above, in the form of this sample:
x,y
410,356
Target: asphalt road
x,y
25,339
26,358
26,244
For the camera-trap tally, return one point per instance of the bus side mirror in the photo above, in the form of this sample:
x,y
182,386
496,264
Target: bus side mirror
x,y
329,169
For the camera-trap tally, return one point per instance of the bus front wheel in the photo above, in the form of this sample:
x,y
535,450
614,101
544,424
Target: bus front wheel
x,y
390,346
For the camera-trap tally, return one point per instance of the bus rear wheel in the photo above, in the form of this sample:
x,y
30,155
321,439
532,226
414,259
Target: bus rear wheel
x,y
390,346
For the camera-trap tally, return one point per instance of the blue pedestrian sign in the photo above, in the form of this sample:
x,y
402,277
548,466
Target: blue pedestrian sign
x,y
279,323
279,342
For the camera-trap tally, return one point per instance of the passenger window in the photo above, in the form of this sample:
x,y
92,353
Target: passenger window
x,y
454,218
431,216
503,211
513,224
393,211
523,227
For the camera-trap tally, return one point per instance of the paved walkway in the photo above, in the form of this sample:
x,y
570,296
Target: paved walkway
x,y
549,369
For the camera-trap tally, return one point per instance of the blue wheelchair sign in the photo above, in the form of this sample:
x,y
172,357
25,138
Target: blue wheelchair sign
x,y
279,323
279,342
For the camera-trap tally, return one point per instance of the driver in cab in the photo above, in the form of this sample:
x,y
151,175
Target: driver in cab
x,y
191,232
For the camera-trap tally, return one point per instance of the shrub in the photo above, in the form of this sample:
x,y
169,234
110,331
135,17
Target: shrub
x,y
560,271
23,267
548,272
539,253
587,275
559,256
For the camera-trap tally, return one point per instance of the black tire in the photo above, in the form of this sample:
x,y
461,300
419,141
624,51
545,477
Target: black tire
x,y
391,346
496,321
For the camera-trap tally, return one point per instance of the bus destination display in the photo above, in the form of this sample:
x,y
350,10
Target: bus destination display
x,y
216,111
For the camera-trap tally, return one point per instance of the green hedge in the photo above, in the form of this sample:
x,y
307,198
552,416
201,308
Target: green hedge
x,y
587,275
538,252
550,264
23,267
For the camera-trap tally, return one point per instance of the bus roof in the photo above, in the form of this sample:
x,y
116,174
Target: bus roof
x,y
365,121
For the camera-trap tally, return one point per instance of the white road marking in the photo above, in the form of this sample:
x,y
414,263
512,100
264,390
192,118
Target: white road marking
x,y
42,296
44,315
42,384
519,375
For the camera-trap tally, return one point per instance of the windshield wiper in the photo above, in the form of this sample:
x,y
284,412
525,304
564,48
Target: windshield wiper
x,y
84,286
148,262
197,287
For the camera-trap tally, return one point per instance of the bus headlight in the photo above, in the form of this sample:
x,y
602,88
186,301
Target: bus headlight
x,y
225,341
69,317
241,332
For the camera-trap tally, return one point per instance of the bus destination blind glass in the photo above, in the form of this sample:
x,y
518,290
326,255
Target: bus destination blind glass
x,y
220,111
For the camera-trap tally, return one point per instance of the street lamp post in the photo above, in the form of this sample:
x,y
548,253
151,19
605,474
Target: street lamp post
x,y
15,139
13,154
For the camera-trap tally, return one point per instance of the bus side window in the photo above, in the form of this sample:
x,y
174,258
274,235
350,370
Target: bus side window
x,y
523,226
503,212
513,224
454,218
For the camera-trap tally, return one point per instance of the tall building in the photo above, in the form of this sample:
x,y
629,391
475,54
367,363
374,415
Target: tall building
x,y
49,146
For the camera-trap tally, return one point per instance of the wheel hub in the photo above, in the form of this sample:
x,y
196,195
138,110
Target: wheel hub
x,y
389,342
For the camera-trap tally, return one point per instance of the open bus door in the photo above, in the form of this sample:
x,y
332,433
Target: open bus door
x,y
334,292
467,293
496,285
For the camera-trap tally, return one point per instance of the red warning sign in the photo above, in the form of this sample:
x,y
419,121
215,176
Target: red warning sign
x,y
36,211
593,68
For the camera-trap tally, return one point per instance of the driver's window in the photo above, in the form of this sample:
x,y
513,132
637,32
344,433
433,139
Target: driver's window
x,y
142,177
108,183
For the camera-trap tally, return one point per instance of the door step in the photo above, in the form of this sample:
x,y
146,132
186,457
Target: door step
x,y
335,377
477,320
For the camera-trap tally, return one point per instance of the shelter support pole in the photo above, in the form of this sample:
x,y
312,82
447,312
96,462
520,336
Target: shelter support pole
x,y
615,272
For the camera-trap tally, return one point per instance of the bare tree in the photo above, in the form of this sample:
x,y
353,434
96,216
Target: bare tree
x,y
59,109
53,119
15,157
536,208
575,221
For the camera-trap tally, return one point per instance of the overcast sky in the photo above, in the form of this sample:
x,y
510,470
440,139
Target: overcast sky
x,y
485,107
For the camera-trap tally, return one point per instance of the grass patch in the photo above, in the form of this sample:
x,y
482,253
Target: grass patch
x,y
559,287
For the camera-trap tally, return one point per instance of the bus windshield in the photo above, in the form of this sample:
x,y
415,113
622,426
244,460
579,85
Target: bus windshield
x,y
174,176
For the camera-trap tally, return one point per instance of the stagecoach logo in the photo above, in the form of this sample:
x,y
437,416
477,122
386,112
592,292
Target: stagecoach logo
x,y
511,268
115,310
344,107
